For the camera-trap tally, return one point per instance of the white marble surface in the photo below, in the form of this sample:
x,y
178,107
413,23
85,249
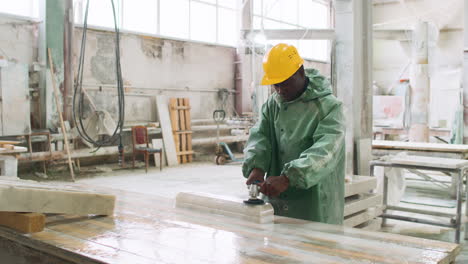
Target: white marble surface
x,y
225,205
29,196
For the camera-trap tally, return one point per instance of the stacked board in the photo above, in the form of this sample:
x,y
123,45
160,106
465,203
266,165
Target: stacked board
x,y
362,206
181,128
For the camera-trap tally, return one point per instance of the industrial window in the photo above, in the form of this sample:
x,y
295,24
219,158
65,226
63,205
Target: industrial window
x,y
295,14
175,16
212,21
140,15
100,13
202,21
27,8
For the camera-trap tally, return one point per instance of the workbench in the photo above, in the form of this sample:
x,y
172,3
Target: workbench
x,y
149,229
452,151
453,166
387,147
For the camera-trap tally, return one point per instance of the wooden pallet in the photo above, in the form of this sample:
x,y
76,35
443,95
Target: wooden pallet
x,y
181,128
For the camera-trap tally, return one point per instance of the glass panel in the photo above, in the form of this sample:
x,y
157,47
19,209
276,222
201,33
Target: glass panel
x,y
271,43
257,7
174,18
100,13
202,22
140,15
208,1
284,10
230,3
313,14
314,49
227,27
18,7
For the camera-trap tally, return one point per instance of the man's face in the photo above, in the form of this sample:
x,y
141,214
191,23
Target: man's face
x,y
291,88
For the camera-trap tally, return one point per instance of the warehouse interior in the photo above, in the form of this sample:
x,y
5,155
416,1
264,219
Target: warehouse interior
x,y
125,126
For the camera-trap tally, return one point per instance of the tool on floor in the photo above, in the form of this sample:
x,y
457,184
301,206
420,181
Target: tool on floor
x,y
223,152
254,193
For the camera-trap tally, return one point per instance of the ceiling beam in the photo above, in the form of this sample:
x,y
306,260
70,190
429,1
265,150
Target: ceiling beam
x,y
316,34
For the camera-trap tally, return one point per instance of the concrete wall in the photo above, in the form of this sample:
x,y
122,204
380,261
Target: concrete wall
x,y
390,56
18,39
151,66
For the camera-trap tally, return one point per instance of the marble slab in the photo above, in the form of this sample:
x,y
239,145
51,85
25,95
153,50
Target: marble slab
x,y
227,206
149,229
29,196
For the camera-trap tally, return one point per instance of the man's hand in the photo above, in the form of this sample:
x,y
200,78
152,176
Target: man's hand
x,y
275,185
256,176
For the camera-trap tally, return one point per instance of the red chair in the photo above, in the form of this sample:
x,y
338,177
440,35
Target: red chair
x,y
139,137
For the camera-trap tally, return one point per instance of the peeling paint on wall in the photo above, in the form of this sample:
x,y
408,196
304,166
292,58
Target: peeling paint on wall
x,y
152,48
101,69
103,63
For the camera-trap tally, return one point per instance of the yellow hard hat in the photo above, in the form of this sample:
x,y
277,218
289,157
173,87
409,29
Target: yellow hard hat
x,y
280,63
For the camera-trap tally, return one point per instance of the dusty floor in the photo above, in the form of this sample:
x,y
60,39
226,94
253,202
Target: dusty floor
x,y
227,180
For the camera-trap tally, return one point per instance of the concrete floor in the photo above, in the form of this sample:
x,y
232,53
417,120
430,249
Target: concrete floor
x,y
228,180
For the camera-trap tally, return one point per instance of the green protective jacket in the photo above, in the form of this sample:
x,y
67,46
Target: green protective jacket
x,y
305,140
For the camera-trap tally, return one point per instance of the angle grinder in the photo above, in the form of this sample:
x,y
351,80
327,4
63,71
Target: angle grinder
x,y
254,193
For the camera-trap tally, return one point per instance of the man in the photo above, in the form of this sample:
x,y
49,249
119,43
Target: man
x,y
298,142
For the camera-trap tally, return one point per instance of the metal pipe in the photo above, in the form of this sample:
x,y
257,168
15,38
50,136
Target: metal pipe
x,y
186,89
416,220
459,204
419,211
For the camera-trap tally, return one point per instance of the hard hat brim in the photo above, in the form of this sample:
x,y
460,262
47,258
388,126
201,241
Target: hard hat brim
x,y
268,81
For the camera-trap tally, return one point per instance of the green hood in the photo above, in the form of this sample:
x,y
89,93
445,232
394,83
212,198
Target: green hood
x,y
318,86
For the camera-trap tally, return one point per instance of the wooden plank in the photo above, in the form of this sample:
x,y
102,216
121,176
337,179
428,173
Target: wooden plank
x,y
168,137
360,184
27,196
175,125
23,222
419,146
183,137
181,107
8,142
185,152
362,217
361,202
59,111
184,132
432,162
188,126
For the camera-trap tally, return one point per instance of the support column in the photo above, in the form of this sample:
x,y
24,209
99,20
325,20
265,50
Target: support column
x,y
56,34
353,71
420,85
465,76
243,61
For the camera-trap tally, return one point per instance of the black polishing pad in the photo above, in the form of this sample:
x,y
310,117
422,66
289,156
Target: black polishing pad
x,y
254,201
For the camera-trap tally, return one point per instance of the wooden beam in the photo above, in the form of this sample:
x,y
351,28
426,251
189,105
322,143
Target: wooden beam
x,y
23,222
28,196
57,103
310,34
